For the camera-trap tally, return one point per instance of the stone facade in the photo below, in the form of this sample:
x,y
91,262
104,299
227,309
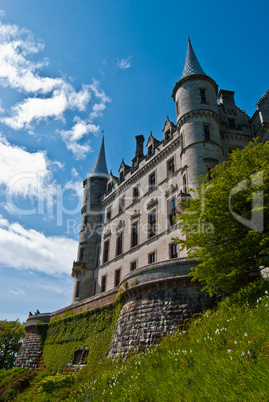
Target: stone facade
x,y
127,219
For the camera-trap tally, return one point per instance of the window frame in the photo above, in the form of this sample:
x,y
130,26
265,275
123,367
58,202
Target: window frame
x,y
203,96
82,254
172,204
152,180
117,279
134,234
206,132
152,224
133,263
106,251
173,253
119,243
103,283
150,255
171,168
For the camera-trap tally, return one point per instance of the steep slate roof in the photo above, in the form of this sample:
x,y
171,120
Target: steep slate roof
x,y
100,169
192,65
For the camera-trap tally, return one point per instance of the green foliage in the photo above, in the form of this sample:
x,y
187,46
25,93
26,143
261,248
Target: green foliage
x,y
92,329
11,337
14,381
226,248
224,355
50,383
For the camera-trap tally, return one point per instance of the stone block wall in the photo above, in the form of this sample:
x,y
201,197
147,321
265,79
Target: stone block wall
x,y
148,316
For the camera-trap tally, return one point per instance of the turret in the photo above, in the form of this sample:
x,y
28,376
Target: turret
x,y
195,95
91,225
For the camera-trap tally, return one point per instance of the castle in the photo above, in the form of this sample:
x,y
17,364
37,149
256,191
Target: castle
x,y
127,221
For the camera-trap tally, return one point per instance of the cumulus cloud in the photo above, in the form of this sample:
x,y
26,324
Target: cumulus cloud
x,y
23,173
47,98
28,249
123,64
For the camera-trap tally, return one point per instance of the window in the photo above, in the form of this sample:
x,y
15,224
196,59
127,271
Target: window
x,y
78,289
170,166
172,211
206,132
150,150
152,180
82,254
117,277
168,135
152,224
152,258
109,188
203,97
231,123
133,266
94,288
103,283
135,193
121,176
121,205
97,256
106,251
119,243
108,214
101,219
184,184
86,220
134,234
173,250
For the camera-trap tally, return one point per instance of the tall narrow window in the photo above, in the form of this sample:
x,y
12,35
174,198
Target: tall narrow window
x,y
184,184
203,97
172,211
150,150
152,258
173,250
94,288
133,266
152,180
82,254
121,176
206,132
170,167
119,243
121,204
117,277
108,214
97,256
152,224
134,234
78,289
86,220
106,251
103,283
135,193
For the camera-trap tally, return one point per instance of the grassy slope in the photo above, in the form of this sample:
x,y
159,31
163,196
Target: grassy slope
x,y
224,355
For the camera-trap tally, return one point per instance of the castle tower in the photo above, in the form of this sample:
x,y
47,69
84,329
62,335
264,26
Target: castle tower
x,y
198,121
91,226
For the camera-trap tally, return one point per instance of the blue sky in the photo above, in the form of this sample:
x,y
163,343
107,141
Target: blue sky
x,y
72,68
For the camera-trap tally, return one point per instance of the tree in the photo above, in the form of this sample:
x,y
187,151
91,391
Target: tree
x,y
11,337
226,223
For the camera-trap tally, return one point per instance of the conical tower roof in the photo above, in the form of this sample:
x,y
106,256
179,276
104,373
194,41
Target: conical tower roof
x,y
192,65
100,168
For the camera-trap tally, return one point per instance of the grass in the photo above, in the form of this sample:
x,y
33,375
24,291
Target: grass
x,y
223,356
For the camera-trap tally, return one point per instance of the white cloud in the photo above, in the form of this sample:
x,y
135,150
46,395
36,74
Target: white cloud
x,y
2,13
21,172
50,98
123,64
16,292
28,249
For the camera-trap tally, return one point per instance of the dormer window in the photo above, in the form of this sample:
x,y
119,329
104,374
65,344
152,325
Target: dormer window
x,y
150,150
168,135
109,188
121,176
121,205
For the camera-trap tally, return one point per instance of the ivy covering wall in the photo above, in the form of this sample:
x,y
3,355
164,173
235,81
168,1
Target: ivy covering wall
x,y
92,329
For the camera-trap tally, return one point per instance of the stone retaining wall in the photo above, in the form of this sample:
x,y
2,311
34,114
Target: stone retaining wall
x,y
148,316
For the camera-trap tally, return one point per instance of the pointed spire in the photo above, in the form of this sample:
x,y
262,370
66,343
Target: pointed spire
x,y
100,169
192,65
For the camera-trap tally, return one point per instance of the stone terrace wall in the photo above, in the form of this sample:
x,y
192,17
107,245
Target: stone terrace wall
x,y
30,352
147,317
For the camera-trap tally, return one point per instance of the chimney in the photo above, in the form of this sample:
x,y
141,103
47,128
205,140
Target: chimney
x,y
139,146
